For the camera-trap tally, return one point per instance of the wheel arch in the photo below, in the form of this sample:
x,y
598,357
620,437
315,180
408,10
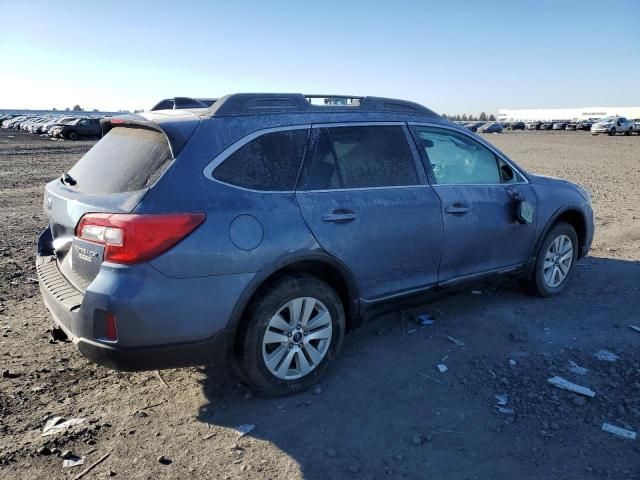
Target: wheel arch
x,y
572,215
321,265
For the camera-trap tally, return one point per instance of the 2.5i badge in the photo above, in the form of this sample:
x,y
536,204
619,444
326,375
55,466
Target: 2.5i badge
x,y
86,258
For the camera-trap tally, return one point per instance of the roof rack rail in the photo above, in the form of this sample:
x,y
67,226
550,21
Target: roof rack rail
x,y
270,103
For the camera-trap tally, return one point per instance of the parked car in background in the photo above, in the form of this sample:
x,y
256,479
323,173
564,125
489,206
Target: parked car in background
x,y
78,128
636,126
585,125
15,122
58,121
170,252
491,127
546,126
559,125
516,126
7,122
612,126
571,126
473,126
25,123
533,125
5,118
34,126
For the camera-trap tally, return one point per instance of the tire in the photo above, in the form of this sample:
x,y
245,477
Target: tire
x,y
72,136
540,283
628,132
612,132
275,302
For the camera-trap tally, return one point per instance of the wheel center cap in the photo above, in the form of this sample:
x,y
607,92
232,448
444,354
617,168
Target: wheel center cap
x,y
297,337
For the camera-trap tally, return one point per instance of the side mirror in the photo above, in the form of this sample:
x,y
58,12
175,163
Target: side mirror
x,y
506,173
524,212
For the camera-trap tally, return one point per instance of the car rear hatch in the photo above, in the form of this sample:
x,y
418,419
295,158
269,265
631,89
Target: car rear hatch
x,y
112,177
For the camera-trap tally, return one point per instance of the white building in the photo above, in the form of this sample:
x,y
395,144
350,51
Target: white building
x,y
574,114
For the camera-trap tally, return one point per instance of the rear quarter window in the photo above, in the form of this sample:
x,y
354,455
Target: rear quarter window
x,y
270,162
125,160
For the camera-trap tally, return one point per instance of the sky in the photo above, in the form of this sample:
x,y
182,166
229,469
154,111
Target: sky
x,y
452,56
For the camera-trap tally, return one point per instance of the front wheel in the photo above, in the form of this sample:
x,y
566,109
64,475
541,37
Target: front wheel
x,y
290,335
556,261
628,132
612,131
73,136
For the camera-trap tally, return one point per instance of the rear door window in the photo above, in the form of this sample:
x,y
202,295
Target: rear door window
x,y
270,162
362,157
125,160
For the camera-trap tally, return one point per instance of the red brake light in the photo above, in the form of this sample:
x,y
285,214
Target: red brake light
x,y
131,238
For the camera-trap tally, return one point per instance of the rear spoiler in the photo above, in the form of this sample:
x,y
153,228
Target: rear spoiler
x,y
176,136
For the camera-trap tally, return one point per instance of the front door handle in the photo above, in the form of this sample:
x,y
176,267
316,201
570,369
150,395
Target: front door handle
x,y
456,208
339,216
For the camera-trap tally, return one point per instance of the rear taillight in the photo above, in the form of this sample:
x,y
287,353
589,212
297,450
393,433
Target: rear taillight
x,y
131,238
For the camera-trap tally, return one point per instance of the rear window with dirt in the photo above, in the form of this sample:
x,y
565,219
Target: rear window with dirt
x,y
125,160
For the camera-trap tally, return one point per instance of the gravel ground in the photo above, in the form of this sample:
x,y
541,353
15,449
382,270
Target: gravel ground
x,y
384,410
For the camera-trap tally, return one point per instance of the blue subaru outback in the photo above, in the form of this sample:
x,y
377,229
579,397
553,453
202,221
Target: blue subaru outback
x,y
256,231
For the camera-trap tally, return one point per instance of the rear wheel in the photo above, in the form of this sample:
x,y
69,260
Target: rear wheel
x,y
612,131
291,332
628,132
556,261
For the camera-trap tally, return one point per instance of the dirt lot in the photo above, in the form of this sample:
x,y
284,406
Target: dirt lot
x,y
384,411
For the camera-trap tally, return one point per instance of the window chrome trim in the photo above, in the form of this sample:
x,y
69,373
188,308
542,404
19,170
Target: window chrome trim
x,y
482,142
355,189
235,146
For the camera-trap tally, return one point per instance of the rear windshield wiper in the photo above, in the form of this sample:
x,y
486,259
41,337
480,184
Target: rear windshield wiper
x,y
68,179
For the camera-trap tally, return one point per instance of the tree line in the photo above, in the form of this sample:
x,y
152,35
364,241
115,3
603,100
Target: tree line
x,y
483,117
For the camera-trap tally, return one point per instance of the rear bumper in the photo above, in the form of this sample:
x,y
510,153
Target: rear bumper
x,y
216,350
162,322
213,351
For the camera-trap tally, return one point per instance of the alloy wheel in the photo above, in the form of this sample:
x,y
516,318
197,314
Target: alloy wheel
x,y
297,338
557,261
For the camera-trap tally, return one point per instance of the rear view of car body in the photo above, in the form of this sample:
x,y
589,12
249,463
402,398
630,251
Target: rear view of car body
x,y
109,292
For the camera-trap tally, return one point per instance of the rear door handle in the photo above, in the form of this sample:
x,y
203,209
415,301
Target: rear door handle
x,y
456,208
339,217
